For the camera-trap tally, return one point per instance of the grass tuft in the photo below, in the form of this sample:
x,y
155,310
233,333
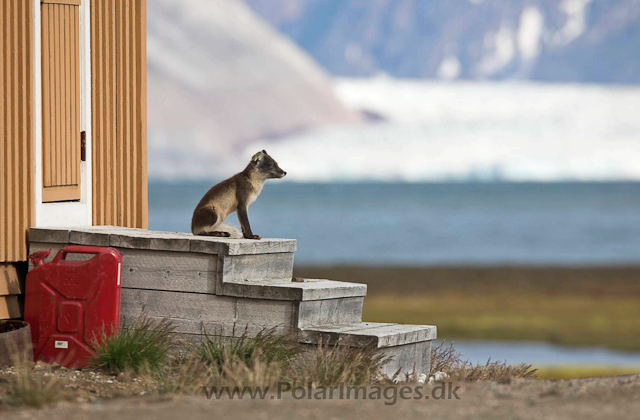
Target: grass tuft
x,y
33,391
331,365
445,358
143,345
267,346
184,377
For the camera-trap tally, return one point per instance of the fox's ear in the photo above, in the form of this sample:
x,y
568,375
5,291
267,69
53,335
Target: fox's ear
x,y
264,151
256,157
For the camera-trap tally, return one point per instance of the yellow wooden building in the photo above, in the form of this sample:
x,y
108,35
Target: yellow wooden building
x,y
73,123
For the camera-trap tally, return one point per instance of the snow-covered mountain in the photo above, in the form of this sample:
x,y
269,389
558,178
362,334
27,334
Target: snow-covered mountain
x,y
219,77
551,40
473,131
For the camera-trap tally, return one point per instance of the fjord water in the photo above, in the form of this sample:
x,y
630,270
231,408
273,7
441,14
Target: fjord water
x,y
457,223
433,223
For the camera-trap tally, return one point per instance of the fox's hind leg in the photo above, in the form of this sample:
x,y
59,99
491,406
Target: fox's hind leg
x,y
204,222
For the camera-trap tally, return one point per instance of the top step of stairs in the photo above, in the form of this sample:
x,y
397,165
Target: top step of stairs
x,y
121,237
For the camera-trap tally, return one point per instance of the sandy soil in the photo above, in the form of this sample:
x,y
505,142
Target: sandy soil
x,y
608,398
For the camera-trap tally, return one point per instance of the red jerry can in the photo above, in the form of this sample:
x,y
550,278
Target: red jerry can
x,y
69,303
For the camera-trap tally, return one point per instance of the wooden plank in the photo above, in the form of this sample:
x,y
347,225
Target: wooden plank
x,y
128,241
260,267
162,270
111,101
29,182
62,2
191,311
94,95
62,193
4,188
126,24
59,94
46,98
141,25
330,312
89,238
58,236
122,208
134,183
73,140
49,153
267,313
194,329
21,140
16,131
204,307
10,307
11,280
9,127
101,129
66,100
76,95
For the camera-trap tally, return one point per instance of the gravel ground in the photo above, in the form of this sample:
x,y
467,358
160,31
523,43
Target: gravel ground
x,y
601,398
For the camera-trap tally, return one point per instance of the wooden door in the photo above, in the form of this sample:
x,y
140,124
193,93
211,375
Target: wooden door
x,y
61,142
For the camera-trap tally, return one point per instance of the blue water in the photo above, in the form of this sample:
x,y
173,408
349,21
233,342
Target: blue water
x,y
423,224
542,354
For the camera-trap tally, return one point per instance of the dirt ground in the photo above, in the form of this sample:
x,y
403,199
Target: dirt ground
x,y
87,395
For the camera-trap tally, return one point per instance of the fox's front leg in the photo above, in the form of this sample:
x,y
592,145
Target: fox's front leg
x,y
243,217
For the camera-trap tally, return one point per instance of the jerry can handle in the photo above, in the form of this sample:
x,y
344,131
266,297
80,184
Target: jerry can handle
x,y
76,249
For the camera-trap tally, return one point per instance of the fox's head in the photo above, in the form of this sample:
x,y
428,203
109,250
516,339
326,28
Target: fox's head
x,y
266,165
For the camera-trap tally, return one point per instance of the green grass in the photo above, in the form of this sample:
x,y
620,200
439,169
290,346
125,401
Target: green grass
x,y
143,345
580,320
218,351
573,372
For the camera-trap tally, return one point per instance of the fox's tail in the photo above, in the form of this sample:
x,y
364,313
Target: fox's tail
x,y
232,230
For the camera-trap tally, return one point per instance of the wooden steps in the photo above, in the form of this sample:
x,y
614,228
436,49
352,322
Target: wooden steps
x,y
235,286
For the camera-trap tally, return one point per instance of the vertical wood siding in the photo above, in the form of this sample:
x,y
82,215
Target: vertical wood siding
x,y
119,112
60,100
16,128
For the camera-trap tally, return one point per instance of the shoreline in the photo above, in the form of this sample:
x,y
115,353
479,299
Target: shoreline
x,y
569,306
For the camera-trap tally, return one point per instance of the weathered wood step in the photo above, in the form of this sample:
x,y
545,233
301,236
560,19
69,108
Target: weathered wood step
x,y
407,346
310,289
377,334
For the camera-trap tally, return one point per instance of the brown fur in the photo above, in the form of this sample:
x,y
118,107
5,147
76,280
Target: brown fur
x,y
234,194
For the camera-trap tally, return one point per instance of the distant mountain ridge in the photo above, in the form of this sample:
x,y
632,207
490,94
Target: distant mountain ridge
x,y
596,41
221,77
